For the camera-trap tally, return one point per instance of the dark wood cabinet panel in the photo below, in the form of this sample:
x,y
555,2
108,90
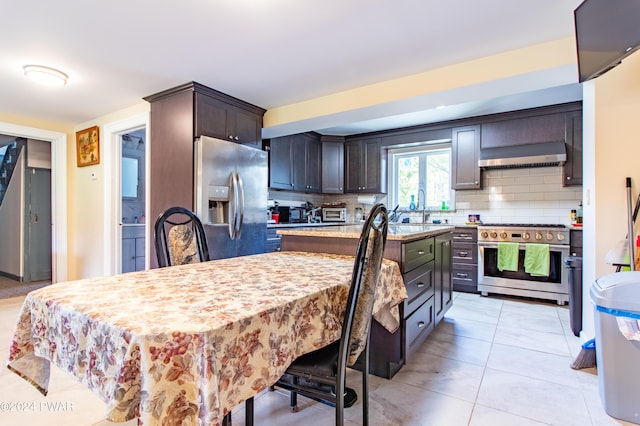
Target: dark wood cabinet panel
x,y
299,166
523,131
212,117
332,167
219,119
572,168
464,260
352,165
371,176
248,128
313,164
281,163
465,151
295,163
362,165
443,282
575,241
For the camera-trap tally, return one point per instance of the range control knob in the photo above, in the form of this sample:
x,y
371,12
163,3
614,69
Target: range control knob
x,y
503,235
560,237
526,236
549,236
494,234
538,236
484,234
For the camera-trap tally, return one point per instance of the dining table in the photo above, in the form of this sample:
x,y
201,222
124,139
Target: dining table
x,y
186,344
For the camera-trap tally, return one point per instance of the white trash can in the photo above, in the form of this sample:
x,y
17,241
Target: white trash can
x,y
616,299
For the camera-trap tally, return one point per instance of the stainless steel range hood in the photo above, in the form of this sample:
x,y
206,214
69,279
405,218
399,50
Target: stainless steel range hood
x,y
545,154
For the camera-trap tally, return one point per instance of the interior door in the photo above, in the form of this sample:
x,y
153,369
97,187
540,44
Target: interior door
x,y
39,227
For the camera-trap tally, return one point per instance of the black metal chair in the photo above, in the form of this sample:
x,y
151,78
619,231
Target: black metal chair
x,y
321,375
179,238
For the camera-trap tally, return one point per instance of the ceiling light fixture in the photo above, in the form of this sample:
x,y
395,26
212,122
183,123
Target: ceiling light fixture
x,y
45,75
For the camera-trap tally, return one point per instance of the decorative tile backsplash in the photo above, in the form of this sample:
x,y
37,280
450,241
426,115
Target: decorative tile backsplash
x,y
528,195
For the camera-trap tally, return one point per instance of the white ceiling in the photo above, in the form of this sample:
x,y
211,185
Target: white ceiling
x,y
268,52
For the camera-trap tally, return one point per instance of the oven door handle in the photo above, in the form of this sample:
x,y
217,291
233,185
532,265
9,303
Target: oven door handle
x,y
556,247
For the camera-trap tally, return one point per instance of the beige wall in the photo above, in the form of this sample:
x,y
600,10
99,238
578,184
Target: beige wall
x,y
87,201
85,196
611,153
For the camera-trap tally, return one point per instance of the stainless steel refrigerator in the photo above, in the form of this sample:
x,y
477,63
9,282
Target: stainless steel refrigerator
x,y
231,196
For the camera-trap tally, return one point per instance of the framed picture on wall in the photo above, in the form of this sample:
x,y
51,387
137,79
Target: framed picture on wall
x,y
88,146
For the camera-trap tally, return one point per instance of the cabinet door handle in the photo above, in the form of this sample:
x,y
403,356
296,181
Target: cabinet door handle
x,y
420,285
421,324
420,252
463,253
462,275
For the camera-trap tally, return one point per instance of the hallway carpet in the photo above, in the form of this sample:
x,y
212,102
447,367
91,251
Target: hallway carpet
x,y
12,288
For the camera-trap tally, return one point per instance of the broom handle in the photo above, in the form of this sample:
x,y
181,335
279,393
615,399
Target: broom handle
x,y
630,231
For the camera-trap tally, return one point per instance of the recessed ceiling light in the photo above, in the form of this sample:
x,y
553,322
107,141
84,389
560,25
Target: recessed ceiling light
x,y
45,75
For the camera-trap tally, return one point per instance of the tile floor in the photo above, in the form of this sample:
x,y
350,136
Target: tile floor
x,y
492,361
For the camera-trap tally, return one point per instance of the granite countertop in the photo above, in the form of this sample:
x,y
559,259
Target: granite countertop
x,y
305,225
397,231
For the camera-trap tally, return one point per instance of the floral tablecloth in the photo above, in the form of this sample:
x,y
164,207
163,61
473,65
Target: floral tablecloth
x,y
186,344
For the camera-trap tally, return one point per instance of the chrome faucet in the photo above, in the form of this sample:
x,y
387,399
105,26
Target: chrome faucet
x,y
425,212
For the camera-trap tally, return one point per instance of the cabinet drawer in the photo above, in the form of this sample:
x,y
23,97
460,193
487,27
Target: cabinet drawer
x,y
417,253
470,235
464,252
464,277
420,286
418,326
464,274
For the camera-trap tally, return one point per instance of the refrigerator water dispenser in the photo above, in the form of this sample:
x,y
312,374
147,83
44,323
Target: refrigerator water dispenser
x,y
218,204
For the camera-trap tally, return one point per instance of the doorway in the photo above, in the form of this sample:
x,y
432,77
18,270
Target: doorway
x,y
58,148
132,196
122,138
37,209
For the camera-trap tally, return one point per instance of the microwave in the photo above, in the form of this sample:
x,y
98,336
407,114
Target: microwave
x,y
334,214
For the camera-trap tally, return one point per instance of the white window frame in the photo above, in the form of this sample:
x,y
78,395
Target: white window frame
x,y
393,173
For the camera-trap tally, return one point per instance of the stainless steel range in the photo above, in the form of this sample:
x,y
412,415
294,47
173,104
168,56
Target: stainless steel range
x,y
555,286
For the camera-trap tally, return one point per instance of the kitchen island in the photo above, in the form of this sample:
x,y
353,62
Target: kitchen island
x,y
424,255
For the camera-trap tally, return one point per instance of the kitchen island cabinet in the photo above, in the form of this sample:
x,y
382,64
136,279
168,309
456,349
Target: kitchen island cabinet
x,y
424,255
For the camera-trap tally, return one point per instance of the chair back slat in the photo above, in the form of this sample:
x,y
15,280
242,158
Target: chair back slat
x,y
358,313
179,238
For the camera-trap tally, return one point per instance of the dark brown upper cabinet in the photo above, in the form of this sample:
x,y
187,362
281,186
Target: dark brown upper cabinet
x,y
332,166
295,163
362,165
523,131
281,163
572,168
465,151
219,119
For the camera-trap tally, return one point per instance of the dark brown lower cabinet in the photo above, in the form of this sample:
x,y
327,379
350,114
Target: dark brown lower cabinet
x,y
425,264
